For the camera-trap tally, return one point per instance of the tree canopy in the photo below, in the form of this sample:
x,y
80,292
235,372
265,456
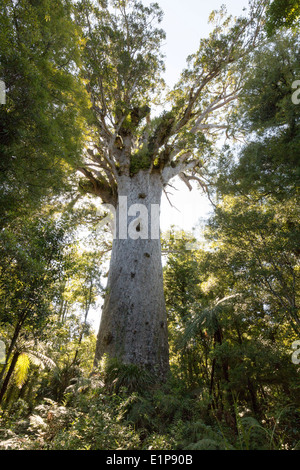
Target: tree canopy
x,y
122,64
41,124
282,14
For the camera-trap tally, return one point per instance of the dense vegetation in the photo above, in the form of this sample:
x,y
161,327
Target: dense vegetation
x,y
232,295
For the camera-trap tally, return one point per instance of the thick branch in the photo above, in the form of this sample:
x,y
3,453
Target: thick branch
x,y
181,165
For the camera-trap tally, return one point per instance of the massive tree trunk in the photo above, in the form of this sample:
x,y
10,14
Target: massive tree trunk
x,y
134,322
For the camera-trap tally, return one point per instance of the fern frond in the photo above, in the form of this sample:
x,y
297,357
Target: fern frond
x,y
40,359
21,370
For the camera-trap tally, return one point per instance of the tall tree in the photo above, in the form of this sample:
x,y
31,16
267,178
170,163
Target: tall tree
x,y
31,262
133,156
259,195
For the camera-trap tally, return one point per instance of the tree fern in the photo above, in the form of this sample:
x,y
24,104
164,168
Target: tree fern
x,y
28,356
21,370
204,318
131,376
39,359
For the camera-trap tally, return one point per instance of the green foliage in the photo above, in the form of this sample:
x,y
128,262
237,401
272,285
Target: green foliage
x,y
132,377
206,444
270,162
159,442
21,370
282,14
252,435
127,34
164,418
31,264
41,125
139,161
232,305
39,267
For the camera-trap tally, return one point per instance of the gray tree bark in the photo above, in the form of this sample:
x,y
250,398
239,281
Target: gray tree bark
x,y
133,325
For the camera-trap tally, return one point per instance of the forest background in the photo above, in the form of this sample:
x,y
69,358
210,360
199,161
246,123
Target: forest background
x,y
231,286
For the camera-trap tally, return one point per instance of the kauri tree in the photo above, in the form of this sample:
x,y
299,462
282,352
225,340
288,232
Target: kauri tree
x,y
133,152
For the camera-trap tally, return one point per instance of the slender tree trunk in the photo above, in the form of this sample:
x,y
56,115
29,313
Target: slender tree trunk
x,y
134,322
12,345
212,374
83,326
8,375
253,396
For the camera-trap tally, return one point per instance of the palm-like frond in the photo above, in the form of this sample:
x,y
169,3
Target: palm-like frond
x,y
205,318
26,357
40,359
21,369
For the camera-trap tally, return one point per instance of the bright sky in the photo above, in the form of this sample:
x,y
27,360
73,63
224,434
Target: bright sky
x,y
185,23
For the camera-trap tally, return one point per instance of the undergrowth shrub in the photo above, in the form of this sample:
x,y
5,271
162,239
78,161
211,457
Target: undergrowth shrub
x,y
252,436
119,407
131,376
